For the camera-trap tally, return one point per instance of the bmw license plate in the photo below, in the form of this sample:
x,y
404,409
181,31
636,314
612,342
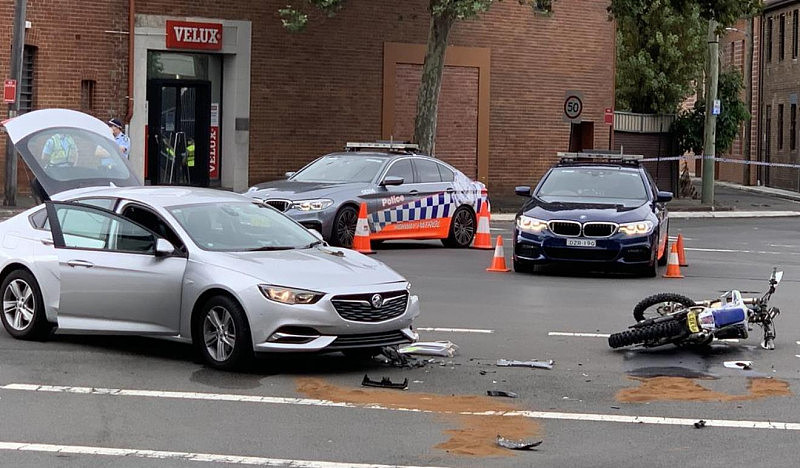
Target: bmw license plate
x,y
581,243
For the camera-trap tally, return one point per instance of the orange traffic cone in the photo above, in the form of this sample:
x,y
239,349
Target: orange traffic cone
x,y
361,239
483,237
499,259
673,268
681,254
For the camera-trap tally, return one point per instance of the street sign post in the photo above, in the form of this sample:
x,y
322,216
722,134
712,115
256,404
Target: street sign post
x,y
9,91
608,116
573,106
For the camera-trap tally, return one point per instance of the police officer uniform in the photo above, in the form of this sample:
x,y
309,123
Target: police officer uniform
x,y
122,139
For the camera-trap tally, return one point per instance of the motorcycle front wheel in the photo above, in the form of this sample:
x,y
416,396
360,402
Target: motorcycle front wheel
x,y
661,332
659,305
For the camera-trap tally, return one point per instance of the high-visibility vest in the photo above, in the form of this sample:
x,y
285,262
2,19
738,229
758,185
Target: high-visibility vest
x,y
60,149
190,155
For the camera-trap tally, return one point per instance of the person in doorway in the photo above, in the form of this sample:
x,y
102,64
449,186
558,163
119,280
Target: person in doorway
x,y
120,137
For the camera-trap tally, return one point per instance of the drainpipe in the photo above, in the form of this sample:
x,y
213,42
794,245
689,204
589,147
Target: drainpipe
x,y
131,26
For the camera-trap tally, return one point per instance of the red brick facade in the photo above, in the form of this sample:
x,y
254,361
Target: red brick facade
x,y
313,91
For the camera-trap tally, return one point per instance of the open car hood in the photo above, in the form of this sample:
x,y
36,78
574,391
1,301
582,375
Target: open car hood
x,y
66,149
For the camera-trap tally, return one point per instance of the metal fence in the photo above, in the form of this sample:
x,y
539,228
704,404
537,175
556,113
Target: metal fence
x,y
642,123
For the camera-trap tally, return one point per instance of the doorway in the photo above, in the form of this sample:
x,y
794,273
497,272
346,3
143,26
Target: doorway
x,y
178,127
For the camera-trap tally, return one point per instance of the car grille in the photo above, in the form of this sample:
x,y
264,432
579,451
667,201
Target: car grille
x,y
599,229
280,205
591,255
369,340
359,308
565,228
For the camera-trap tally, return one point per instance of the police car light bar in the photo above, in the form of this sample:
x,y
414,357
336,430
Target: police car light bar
x,y
600,157
388,145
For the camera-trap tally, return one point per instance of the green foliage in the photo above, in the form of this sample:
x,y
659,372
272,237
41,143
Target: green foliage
x,y
660,54
725,12
688,127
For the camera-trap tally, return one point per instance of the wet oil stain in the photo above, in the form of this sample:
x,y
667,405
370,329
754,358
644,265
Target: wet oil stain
x,y
666,388
474,435
670,371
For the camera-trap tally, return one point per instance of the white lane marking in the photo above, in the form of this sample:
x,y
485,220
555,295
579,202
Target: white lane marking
x,y
314,402
586,335
455,330
760,252
184,456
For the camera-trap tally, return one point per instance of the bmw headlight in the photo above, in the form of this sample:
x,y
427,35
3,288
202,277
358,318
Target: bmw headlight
x,y
638,228
312,205
286,295
528,224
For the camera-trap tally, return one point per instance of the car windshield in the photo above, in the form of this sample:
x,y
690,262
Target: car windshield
x,y
597,185
340,168
240,227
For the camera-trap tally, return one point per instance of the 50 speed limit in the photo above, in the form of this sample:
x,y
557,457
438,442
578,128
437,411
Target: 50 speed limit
x,y
573,106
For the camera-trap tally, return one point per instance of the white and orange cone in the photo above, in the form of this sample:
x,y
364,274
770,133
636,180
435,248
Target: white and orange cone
x,y
673,266
499,259
483,236
361,241
681,253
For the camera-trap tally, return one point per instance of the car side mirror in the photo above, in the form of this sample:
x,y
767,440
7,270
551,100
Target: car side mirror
x,y
289,174
317,234
164,248
392,180
523,191
663,197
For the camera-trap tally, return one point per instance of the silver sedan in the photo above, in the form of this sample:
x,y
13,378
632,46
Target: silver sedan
x,y
213,268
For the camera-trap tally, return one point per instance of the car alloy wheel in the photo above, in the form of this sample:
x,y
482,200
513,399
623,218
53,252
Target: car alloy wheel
x,y
462,229
219,334
19,305
344,227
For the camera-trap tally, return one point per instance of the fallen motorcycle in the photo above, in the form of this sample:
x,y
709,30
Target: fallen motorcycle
x,y
670,318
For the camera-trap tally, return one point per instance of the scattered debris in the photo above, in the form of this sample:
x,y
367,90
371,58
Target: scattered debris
x,y
535,364
615,407
430,348
746,365
501,393
700,424
517,444
389,355
385,382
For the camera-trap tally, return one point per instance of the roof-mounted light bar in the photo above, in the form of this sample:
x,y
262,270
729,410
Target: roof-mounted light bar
x,y
600,157
391,146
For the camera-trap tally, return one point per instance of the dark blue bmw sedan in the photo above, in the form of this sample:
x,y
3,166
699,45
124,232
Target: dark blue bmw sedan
x,y
597,210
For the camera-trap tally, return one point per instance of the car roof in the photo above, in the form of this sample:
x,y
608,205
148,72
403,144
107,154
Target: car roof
x,y
157,196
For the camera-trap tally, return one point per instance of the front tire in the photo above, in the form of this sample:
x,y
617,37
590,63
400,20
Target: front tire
x,y
344,227
659,332
23,307
659,305
222,335
462,229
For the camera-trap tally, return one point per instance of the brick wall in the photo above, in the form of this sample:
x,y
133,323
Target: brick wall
x,y
313,91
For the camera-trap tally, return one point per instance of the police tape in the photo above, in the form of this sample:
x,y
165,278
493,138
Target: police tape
x,y
726,160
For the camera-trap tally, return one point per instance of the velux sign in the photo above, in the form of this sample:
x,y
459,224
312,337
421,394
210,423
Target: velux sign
x,y
189,35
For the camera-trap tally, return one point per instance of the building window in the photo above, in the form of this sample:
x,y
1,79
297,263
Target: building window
x,y
769,39
780,127
733,54
768,131
543,6
87,94
26,86
793,127
794,34
781,38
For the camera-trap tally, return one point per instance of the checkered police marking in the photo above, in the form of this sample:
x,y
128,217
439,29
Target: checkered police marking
x,y
438,205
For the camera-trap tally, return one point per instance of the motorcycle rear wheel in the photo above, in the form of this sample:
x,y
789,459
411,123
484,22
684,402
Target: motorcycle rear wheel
x,y
659,331
659,305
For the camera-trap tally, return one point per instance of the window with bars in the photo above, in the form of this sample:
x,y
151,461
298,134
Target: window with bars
x,y
781,37
767,130
793,126
87,94
769,39
780,127
794,33
26,87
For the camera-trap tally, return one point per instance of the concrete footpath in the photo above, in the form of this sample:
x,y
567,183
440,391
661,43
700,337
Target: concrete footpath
x,y
730,201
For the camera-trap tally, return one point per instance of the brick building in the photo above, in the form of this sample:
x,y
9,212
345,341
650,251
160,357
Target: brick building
x,y
262,101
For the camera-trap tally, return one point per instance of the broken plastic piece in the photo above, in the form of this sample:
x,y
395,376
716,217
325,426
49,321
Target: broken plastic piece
x,y
501,393
517,444
700,424
430,348
535,364
394,358
385,382
746,365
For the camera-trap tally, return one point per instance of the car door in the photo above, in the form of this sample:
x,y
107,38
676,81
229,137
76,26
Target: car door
x,y
390,207
434,193
112,281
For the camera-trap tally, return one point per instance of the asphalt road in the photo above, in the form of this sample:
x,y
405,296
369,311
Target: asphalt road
x,y
79,395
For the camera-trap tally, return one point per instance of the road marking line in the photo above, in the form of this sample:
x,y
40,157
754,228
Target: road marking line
x,y
326,403
184,456
760,252
456,330
586,335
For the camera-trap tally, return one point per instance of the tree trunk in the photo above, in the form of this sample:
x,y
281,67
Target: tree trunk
x,y
431,84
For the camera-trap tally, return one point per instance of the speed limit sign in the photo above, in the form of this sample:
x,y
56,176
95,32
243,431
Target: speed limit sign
x,y
573,106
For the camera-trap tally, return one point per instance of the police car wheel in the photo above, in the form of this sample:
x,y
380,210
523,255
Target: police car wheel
x,y
344,227
462,229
